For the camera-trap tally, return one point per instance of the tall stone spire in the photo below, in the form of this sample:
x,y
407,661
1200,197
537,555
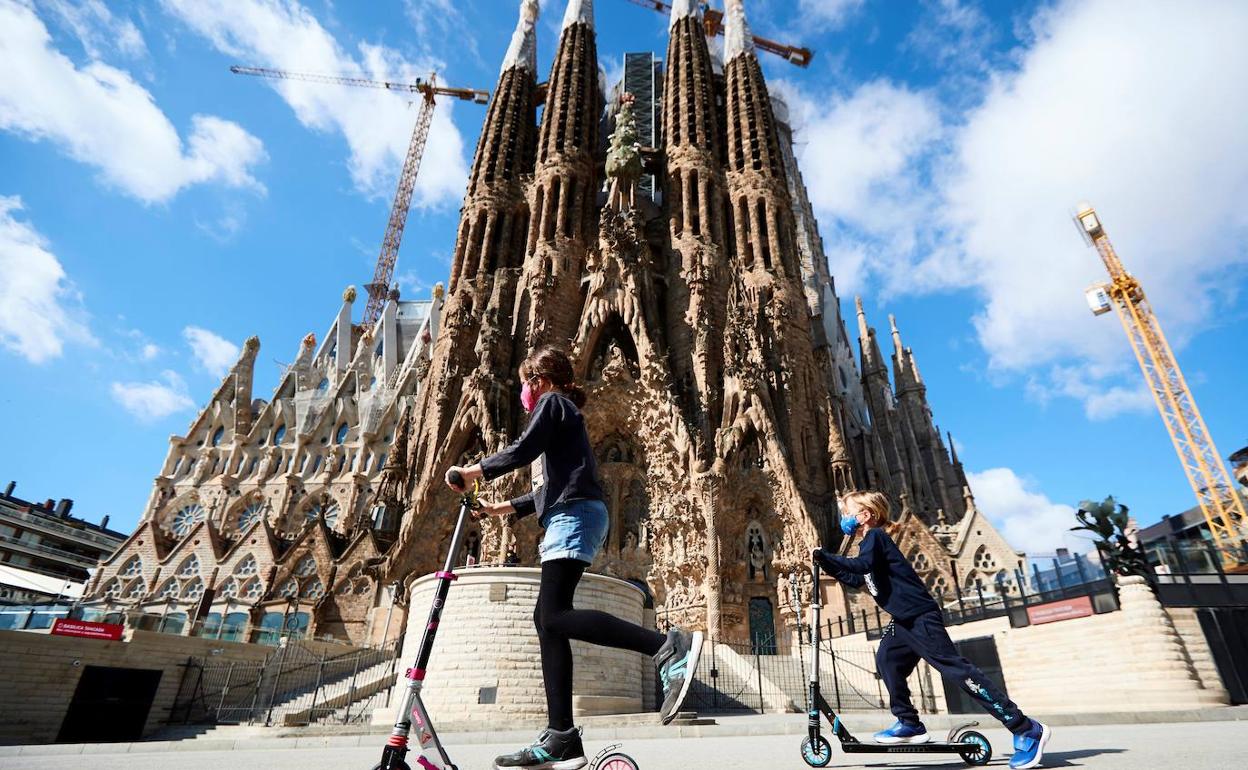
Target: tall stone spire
x,y
492,235
872,359
563,193
738,39
476,333
779,369
695,199
901,378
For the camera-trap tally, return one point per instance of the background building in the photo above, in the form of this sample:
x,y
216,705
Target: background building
x,y
46,557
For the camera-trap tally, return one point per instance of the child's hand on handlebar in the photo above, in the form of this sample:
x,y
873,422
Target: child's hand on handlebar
x,y
492,509
466,475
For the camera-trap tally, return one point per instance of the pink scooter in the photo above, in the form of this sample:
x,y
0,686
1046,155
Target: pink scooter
x,y
413,714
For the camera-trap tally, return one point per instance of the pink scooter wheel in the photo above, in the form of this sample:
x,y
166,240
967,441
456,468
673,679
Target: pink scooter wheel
x,y
617,761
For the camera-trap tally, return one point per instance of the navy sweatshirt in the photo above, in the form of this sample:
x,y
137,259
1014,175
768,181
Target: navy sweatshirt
x,y
556,445
883,569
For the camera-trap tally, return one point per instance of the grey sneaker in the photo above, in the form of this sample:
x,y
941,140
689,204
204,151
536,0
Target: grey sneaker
x,y
553,750
677,660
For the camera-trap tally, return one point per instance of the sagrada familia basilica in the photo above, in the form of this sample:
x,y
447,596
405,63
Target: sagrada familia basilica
x,y
726,402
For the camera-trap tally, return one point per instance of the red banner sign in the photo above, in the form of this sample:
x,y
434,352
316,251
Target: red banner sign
x,y
1079,607
85,628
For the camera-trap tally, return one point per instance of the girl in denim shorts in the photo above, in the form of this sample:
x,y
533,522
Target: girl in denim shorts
x,y
568,499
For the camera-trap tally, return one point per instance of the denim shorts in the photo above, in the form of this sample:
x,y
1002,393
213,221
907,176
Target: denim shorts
x,y
574,530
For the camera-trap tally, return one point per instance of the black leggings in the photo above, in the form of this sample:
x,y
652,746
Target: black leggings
x,y
557,622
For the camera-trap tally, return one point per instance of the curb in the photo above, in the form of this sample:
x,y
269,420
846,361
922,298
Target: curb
x,y
729,726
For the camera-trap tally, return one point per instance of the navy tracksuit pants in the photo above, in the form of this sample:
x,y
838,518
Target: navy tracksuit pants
x,y
924,637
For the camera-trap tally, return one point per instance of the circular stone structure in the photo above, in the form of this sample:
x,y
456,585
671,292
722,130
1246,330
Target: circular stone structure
x,y
486,661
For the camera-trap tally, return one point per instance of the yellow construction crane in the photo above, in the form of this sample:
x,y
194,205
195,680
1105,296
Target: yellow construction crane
x,y
379,289
1223,508
713,21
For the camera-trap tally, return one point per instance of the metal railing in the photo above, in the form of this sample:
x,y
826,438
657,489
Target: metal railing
x,y
39,549
977,604
58,528
771,674
1193,573
294,685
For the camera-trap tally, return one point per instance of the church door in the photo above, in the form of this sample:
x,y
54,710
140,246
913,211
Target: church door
x,y
762,626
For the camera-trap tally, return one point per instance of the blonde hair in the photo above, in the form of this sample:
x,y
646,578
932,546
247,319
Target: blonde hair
x,y
875,504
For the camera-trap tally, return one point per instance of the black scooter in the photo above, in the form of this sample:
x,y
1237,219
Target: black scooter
x,y
972,746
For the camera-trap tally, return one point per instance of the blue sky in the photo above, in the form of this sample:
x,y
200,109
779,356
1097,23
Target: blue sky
x,y
156,210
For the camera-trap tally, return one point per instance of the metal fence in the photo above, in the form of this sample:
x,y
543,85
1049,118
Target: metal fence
x,y
294,685
770,675
977,604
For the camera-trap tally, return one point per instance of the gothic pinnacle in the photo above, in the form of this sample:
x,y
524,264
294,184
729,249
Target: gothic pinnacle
x,y
863,330
523,49
738,39
579,11
898,349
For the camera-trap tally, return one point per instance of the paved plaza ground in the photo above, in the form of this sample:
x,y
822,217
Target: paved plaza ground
x,y
1192,745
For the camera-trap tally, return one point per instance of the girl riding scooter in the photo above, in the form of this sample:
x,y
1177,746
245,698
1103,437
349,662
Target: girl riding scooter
x,y
568,499
916,631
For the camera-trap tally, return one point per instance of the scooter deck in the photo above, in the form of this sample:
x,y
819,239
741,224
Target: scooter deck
x,y
932,747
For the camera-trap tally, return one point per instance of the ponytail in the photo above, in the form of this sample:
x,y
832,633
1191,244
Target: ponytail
x,y
575,393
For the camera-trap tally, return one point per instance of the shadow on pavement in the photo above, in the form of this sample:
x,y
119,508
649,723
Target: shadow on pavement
x,y
1051,759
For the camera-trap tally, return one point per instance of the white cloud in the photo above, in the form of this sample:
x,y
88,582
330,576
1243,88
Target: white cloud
x,y
1136,107
149,351
1027,519
828,13
154,400
99,115
39,308
1102,400
376,124
861,154
98,29
213,352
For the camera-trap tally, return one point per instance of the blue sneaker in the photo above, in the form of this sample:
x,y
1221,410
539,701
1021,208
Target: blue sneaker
x,y
1029,745
903,733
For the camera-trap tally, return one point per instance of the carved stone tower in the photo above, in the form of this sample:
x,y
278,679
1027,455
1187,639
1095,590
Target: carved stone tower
x,y
562,196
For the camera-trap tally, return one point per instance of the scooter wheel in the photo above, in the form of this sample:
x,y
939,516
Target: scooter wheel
x,y
978,750
817,753
617,761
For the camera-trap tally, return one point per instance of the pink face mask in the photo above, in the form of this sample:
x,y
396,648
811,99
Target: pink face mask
x,y
528,399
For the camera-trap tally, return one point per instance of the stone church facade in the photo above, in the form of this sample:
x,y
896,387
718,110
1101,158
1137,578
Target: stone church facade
x,y
726,405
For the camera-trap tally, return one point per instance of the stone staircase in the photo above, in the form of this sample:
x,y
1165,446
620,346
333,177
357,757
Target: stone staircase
x,y
334,695
1049,668
1187,624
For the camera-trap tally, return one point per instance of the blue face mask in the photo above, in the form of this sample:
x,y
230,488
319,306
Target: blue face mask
x,y
849,524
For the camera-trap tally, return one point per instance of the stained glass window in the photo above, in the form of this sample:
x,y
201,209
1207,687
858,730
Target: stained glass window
x,y
186,518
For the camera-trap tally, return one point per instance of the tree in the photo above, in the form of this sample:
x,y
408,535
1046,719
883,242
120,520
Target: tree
x,y
1117,543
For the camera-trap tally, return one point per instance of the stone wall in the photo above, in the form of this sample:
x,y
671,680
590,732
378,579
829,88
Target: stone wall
x,y
40,673
487,649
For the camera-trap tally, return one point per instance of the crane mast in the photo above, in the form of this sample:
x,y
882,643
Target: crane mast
x,y
1222,507
379,288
